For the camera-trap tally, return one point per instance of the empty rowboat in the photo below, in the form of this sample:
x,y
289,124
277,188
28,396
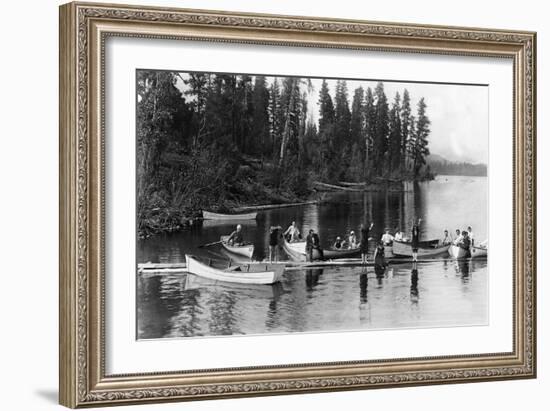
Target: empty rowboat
x,y
429,248
253,273
246,250
207,215
297,251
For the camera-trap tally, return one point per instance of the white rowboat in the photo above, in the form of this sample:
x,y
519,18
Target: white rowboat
x,y
246,250
475,252
207,215
254,273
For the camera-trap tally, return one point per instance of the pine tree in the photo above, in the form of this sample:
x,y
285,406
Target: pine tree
x,y
395,134
406,128
421,133
260,121
370,130
380,144
326,107
275,115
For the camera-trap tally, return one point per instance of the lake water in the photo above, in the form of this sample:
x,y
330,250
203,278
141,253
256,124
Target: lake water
x,y
432,294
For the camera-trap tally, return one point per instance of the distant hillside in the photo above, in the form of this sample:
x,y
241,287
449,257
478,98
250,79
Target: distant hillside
x,y
442,166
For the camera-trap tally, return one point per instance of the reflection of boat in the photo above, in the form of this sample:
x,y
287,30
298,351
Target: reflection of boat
x,y
220,223
194,282
254,273
207,215
428,248
247,249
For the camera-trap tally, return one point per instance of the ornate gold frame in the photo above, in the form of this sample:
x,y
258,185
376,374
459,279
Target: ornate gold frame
x,y
83,30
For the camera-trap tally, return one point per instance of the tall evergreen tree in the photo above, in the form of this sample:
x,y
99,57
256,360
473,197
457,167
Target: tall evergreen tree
x,y
395,136
421,133
260,121
406,128
370,130
357,117
380,144
275,116
326,107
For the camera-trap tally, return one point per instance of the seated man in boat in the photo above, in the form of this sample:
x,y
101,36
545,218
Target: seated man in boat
x,y
458,238
292,233
446,238
398,235
236,237
338,244
387,238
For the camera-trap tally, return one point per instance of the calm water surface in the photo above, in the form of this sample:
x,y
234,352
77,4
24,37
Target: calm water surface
x,y
439,293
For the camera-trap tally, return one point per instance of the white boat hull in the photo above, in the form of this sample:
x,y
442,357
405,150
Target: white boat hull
x,y
478,252
255,273
457,252
207,215
404,249
244,250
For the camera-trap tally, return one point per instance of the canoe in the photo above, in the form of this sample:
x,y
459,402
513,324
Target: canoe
x,y
254,273
425,248
207,215
246,250
457,252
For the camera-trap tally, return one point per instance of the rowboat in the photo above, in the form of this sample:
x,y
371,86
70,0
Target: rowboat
x,y
297,251
478,252
428,248
195,282
334,254
247,249
458,252
475,252
207,215
254,273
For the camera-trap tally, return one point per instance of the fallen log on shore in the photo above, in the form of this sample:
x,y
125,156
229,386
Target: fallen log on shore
x,y
272,206
327,186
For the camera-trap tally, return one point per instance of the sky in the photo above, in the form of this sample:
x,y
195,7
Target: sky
x,y
459,114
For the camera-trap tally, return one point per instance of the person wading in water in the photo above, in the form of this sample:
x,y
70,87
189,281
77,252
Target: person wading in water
x,y
274,242
365,242
415,234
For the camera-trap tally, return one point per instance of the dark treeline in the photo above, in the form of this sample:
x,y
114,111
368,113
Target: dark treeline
x,y
221,141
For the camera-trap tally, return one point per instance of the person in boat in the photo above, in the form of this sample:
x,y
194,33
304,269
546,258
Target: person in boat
x,y
274,242
415,239
387,238
447,240
379,258
365,241
352,240
398,235
458,238
236,237
466,244
292,233
338,244
471,235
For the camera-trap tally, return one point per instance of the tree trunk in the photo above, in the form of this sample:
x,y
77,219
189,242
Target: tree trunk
x,y
286,132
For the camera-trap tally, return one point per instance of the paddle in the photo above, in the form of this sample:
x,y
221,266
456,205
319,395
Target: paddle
x,y
209,244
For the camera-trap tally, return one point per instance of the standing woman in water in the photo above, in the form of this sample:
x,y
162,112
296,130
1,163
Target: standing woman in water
x,y
415,239
365,242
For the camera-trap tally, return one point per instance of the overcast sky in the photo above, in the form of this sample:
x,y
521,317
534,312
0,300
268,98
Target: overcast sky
x,y
458,113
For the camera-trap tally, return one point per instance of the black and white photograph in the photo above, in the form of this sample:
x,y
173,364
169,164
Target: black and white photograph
x,y
273,204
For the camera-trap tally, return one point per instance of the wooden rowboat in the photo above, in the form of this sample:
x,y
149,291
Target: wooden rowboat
x,y
254,273
246,250
207,215
458,252
475,252
333,254
478,252
429,248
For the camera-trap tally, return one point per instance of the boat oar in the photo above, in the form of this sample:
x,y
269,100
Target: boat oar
x,y
209,244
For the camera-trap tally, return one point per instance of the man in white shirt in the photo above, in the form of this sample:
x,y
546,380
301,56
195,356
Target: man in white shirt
x,y
458,238
387,238
471,235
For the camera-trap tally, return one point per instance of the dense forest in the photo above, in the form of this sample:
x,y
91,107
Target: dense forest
x,y
217,141
455,168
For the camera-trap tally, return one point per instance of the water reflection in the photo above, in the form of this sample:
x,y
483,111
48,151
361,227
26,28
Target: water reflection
x,y
414,285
